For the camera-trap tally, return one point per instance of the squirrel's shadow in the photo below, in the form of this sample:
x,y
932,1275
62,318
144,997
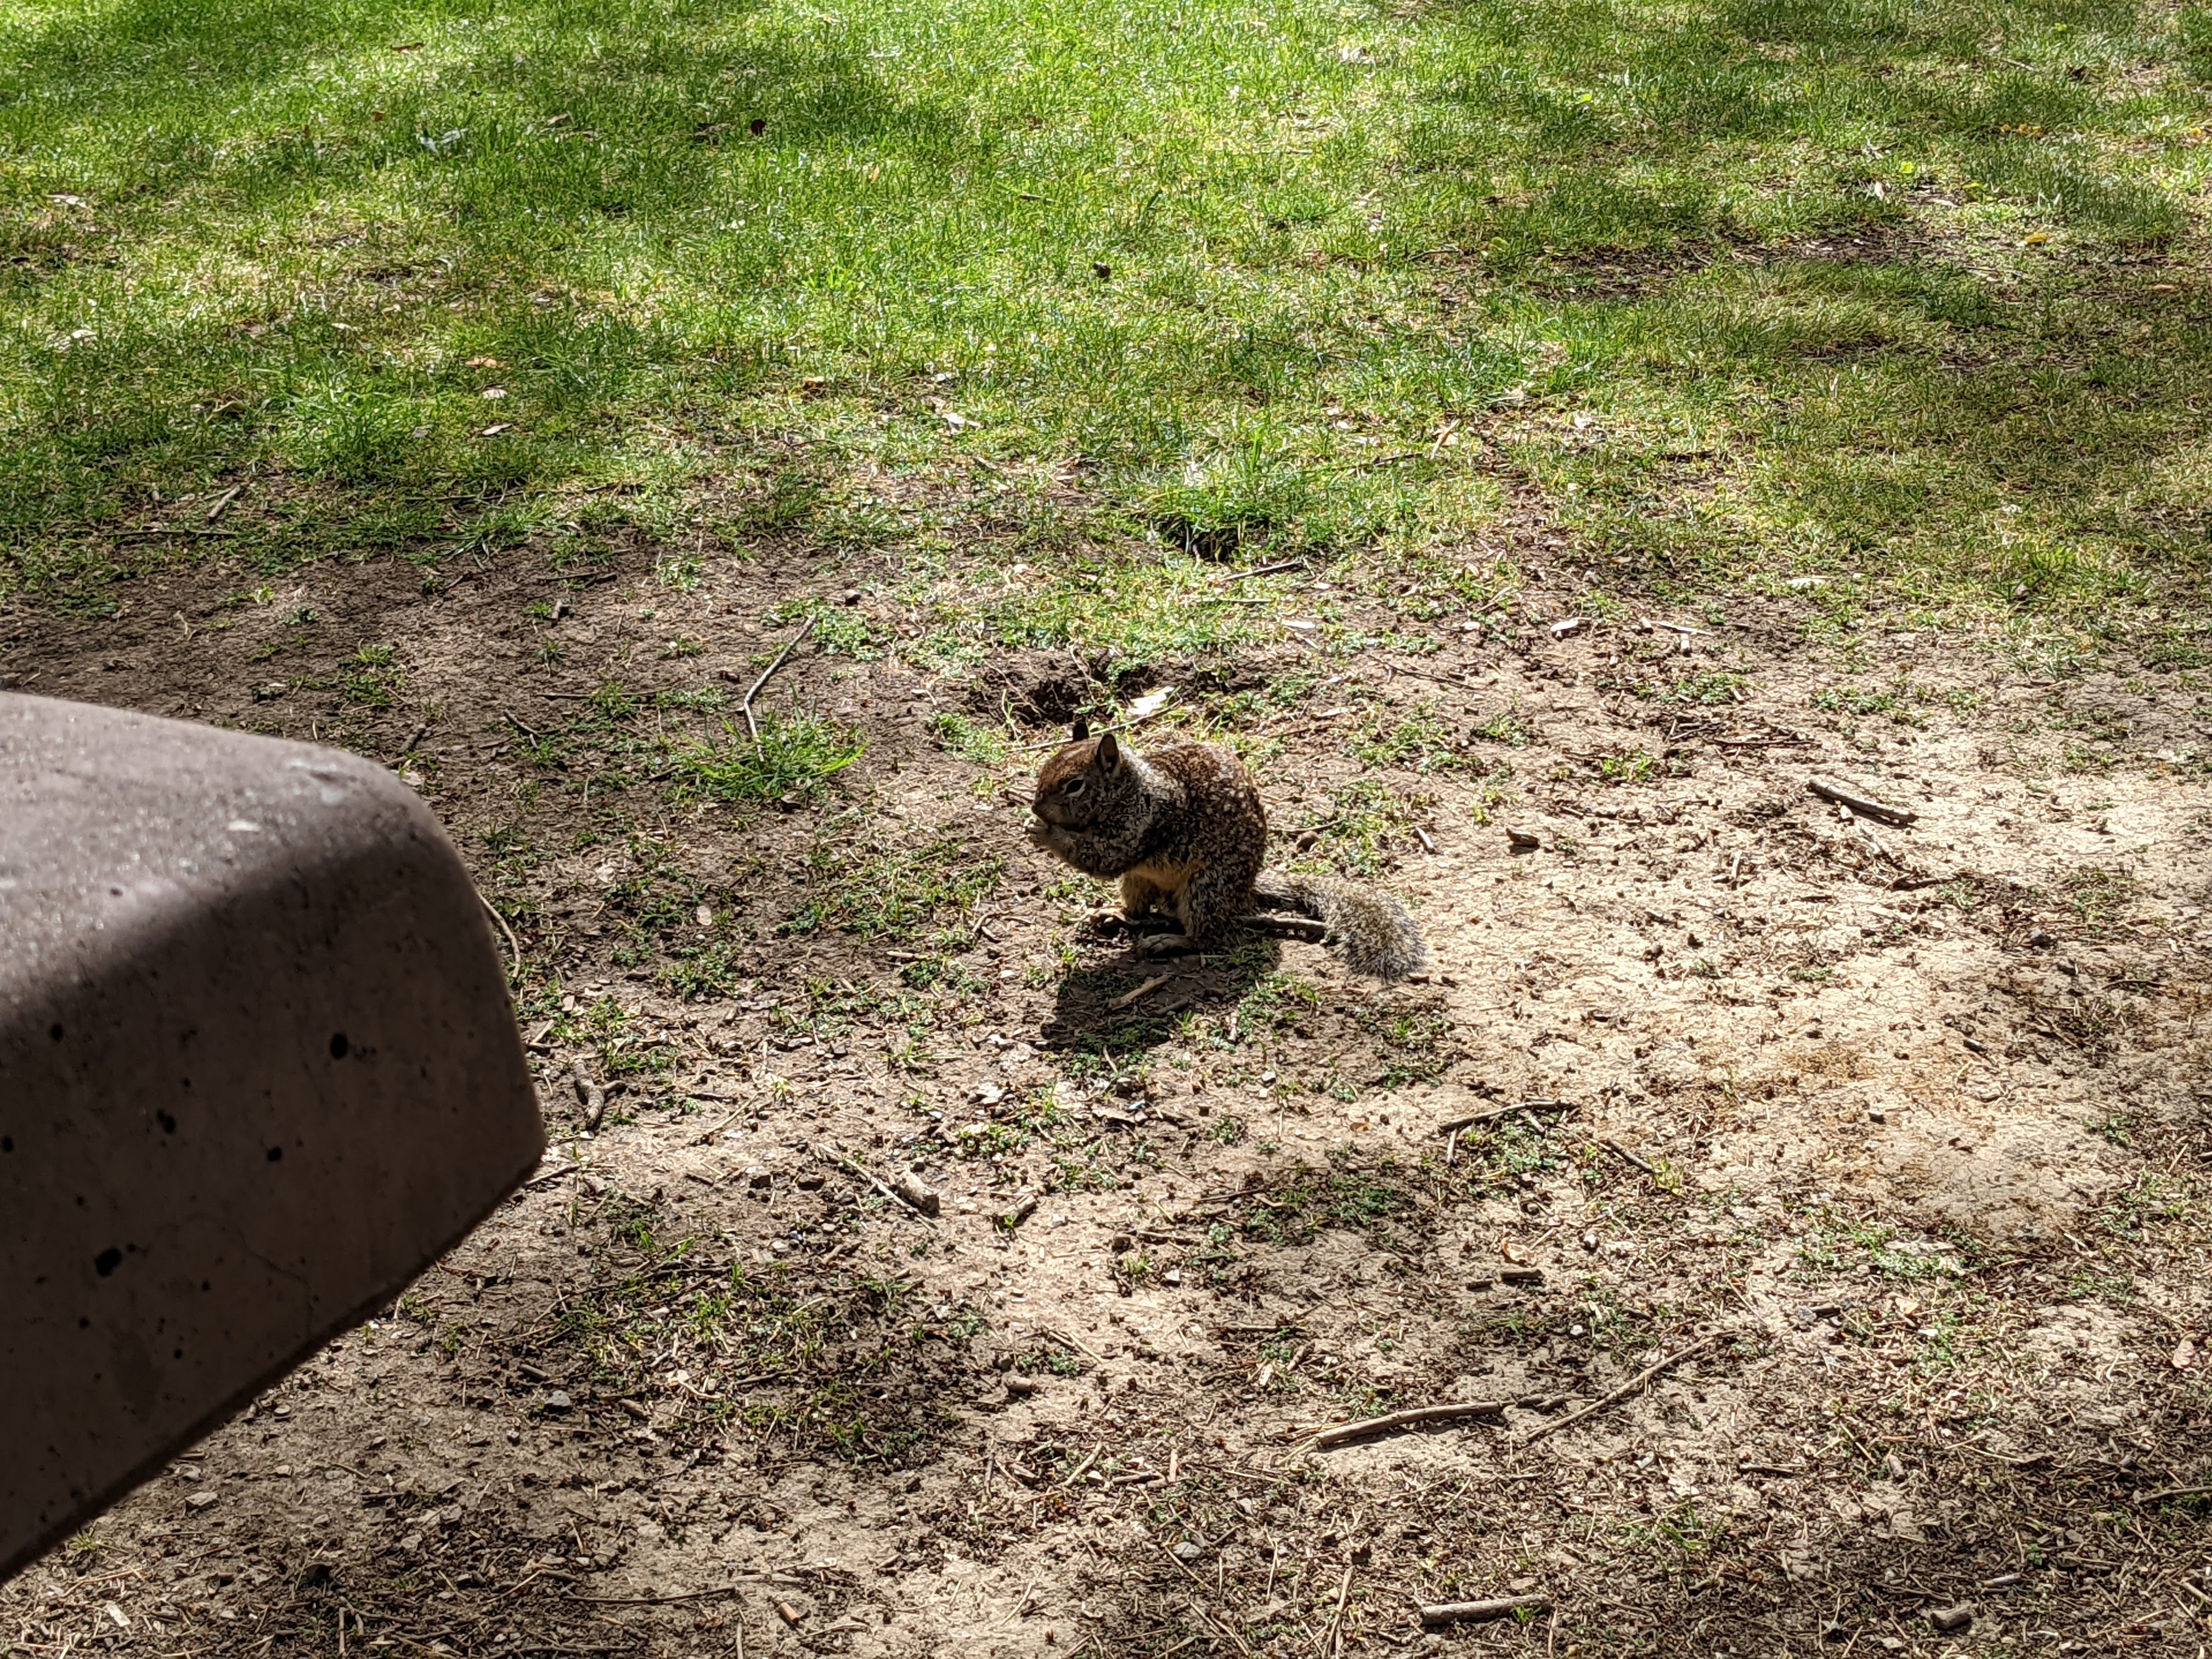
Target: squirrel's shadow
x,y
1094,1011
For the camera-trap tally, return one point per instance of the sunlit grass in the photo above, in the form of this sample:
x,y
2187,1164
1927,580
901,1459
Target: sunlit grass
x,y
1900,295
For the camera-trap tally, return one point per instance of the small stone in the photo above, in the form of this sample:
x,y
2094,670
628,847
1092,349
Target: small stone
x,y
1958,1618
757,1177
558,1401
2040,940
200,1500
1020,1388
1187,1552
1522,840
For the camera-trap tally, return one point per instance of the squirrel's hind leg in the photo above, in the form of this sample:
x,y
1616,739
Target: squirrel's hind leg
x,y
1211,902
1176,904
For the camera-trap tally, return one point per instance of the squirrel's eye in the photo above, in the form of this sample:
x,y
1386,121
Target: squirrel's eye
x,y
1075,788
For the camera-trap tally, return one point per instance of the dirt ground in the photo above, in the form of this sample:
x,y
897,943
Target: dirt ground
x,y
1892,1137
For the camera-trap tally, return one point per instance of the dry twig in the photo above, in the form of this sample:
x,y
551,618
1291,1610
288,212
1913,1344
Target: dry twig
x,y
1475,1612
746,706
1414,1417
513,944
1623,1153
1333,1643
1859,804
1624,1390
868,1175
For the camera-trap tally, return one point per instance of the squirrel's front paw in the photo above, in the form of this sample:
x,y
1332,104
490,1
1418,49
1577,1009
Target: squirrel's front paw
x,y
1107,921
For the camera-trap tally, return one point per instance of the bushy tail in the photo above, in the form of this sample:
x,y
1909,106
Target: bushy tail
x,y
1371,930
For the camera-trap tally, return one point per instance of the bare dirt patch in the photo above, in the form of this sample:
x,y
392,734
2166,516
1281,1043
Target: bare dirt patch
x,y
1908,1119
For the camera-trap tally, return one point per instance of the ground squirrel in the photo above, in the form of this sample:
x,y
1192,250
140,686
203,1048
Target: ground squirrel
x,y
1184,831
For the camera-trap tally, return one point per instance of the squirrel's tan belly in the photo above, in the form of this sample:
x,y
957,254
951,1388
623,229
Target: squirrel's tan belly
x,y
1159,885
1167,877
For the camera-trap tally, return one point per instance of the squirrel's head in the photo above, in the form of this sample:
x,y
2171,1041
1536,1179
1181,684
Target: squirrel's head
x,y
1076,785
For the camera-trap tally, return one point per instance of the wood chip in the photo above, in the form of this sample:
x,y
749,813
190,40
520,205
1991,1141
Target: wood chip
x,y
917,1191
589,1095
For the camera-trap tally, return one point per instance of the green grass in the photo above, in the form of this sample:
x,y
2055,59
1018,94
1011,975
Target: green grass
x,y
894,892
1908,296
792,756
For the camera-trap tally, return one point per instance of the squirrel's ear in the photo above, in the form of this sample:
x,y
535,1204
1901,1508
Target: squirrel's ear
x,y
1109,752
1079,731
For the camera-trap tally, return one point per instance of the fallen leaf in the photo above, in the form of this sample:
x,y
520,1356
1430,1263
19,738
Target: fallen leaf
x,y
1151,704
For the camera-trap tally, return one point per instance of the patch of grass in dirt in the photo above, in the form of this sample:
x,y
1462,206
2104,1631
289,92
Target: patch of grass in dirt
x,y
1082,1166
1506,728
1281,1000
1367,822
2101,899
1006,1127
1128,610
971,740
1421,740
892,893
1414,1038
1834,1244
1295,1205
839,631
604,1026
1501,1152
796,754
705,1345
1707,687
